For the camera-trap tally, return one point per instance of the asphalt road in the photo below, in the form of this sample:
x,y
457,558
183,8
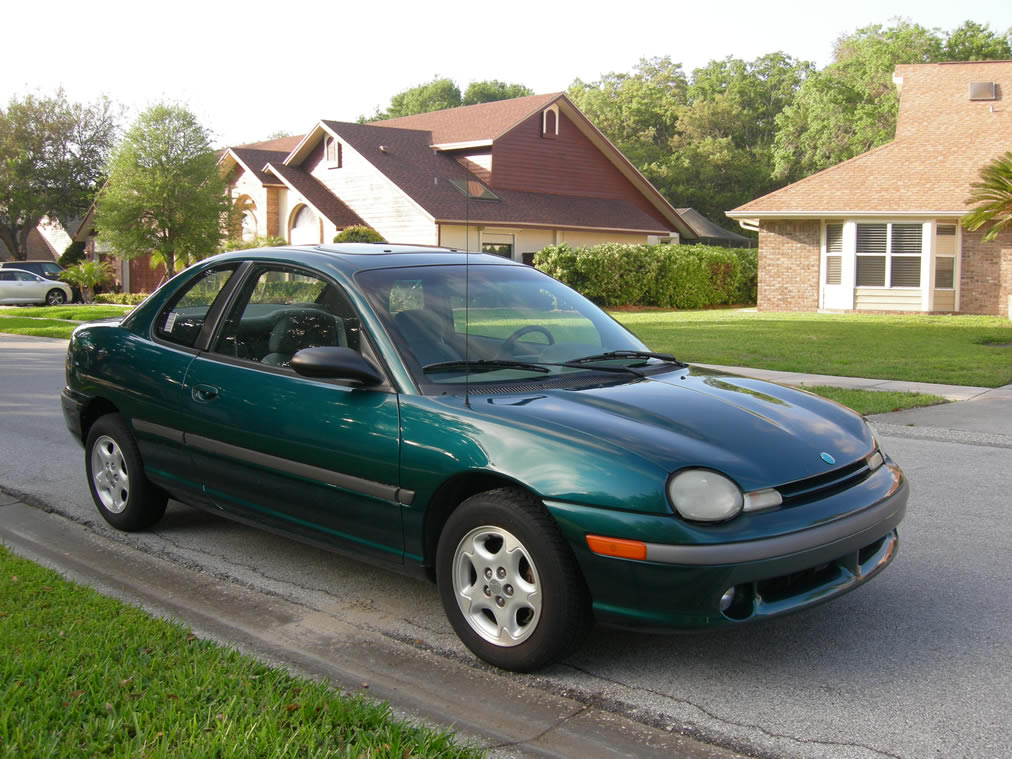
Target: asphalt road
x,y
915,664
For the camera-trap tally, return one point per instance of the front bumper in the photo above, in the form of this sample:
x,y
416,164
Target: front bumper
x,y
681,586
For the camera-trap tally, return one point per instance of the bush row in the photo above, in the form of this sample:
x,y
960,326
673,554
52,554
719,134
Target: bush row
x,y
669,276
123,299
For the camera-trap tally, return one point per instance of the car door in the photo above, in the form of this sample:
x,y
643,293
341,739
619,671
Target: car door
x,y
312,456
8,287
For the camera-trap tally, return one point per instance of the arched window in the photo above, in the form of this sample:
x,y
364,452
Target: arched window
x,y
248,228
304,228
550,121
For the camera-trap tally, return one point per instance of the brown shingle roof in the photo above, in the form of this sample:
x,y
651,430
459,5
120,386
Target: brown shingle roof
x,y
318,196
484,121
424,175
256,160
942,141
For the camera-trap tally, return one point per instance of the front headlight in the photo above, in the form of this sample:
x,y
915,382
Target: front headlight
x,y
704,495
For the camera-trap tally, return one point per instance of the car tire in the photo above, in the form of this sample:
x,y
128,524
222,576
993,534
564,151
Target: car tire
x,y
124,496
509,583
56,297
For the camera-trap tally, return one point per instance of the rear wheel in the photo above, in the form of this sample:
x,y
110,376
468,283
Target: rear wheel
x,y
509,583
56,297
124,496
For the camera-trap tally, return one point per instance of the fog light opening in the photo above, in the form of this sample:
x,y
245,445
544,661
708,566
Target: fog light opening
x,y
727,599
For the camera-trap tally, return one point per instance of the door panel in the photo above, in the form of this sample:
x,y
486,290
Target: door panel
x,y
306,456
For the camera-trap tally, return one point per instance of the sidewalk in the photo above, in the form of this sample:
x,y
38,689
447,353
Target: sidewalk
x,y
984,410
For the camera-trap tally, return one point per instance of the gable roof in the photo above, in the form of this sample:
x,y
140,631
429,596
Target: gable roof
x,y
471,123
942,141
254,157
324,202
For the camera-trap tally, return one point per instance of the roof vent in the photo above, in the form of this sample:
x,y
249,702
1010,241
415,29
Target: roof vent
x,y
983,91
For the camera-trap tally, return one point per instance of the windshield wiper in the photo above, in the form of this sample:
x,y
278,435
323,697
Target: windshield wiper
x,y
623,354
485,365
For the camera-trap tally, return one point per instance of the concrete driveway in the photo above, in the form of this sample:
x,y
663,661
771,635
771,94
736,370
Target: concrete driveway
x,y
915,664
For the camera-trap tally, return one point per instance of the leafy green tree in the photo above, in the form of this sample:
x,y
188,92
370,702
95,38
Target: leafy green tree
x,y
88,275
358,233
491,90
992,196
436,95
850,106
637,111
268,241
975,42
52,153
442,93
164,195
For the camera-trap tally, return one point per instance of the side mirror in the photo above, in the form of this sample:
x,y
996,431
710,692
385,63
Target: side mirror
x,y
335,363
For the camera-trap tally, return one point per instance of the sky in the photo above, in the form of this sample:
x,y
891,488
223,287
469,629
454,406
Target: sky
x,y
251,70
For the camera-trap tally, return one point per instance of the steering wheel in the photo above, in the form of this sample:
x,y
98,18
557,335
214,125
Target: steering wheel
x,y
506,349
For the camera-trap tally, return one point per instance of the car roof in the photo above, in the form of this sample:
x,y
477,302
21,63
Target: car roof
x,y
16,264
353,257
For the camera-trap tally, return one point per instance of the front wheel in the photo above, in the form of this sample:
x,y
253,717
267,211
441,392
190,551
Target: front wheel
x,y
56,297
509,583
124,496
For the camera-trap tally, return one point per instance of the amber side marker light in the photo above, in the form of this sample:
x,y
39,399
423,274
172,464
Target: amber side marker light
x,y
620,549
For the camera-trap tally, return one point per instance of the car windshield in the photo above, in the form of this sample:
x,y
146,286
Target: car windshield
x,y
493,324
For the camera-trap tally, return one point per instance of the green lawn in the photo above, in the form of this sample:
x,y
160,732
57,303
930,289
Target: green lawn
x,y
76,312
85,675
954,350
875,401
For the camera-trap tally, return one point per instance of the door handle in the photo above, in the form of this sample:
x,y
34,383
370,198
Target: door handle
x,y
204,393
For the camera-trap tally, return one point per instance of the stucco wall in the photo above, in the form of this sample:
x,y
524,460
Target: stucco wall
x,y
788,266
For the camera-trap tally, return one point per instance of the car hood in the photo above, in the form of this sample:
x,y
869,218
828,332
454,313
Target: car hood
x,y
759,433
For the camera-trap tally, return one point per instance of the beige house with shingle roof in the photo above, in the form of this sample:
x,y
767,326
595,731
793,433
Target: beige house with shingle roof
x,y
881,232
508,177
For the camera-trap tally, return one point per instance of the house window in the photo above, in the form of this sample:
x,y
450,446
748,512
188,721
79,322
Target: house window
x,y
889,255
945,260
550,122
305,227
248,226
834,254
497,245
332,150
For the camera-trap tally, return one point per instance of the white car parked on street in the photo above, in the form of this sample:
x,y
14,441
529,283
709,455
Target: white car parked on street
x,y
17,286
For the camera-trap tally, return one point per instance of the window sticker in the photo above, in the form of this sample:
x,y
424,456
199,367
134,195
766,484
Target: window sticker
x,y
170,321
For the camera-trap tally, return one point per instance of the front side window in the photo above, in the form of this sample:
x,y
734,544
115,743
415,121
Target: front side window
x,y
280,311
889,255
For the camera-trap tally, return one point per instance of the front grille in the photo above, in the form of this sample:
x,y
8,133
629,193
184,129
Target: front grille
x,y
826,484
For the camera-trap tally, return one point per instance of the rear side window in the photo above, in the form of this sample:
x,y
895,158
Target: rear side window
x,y
181,321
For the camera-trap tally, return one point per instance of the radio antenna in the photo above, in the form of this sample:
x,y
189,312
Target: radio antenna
x,y
467,292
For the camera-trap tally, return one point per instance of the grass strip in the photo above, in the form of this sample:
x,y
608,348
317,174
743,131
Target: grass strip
x,y
86,675
953,350
73,312
875,401
18,325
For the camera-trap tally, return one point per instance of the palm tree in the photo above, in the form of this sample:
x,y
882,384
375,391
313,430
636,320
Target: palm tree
x,y
992,196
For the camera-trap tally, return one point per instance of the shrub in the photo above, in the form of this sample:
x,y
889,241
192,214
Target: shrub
x,y
668,276
358,233
73,254
88,275
124,299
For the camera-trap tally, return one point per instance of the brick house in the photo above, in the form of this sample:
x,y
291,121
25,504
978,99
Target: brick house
x,y
882,232
508,177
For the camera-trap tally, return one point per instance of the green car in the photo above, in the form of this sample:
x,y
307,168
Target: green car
x,y
469,419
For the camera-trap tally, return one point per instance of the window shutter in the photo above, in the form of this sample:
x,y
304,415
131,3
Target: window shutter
x,y
871,271
906,271
906,239
834,238
834,270
945,269
871,238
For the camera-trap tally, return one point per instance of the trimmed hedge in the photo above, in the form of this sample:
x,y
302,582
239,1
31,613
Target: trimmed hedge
x,y
123,299
668,276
